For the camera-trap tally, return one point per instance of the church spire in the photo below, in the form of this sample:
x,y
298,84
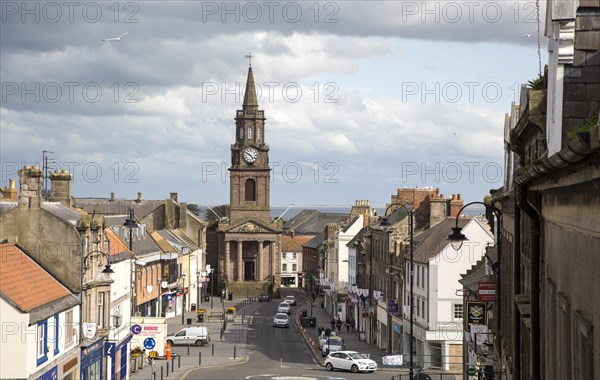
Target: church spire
x,y
250,101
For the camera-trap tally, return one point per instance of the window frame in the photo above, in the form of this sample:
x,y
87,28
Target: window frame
x,y
41,343
455,311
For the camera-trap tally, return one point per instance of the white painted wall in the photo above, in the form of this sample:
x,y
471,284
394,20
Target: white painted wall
x,y
120,299
343,262
19,341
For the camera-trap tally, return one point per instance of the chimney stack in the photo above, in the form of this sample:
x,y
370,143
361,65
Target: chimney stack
x,y
174,197
61,187
139,197
437,209
455,204
11,193
30,184
183,216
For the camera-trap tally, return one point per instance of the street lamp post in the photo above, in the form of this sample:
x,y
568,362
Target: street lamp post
x,y
131,224
385,224
183,298
212,287
159,298
107,271
456,241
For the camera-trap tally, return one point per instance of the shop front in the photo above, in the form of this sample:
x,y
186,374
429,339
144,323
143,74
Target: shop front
x,y
91,360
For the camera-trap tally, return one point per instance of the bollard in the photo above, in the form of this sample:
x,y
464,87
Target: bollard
x,y
172,364
161,372
179,361
234,350
200,358
213,349
167,369
188,349
153,377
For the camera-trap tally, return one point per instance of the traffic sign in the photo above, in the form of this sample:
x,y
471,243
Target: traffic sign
x,y
149,343
136,329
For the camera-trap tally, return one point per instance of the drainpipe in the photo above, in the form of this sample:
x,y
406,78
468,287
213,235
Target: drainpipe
x,y
533,212
516,359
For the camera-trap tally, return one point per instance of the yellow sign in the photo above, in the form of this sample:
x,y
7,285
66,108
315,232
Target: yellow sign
x,y
153,354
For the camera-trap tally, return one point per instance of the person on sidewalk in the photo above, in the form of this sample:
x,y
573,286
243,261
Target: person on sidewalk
x,y
352,321
347,324
314,296
339,324
332,324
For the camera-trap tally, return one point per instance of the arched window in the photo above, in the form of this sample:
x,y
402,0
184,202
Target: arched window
x,y
249,132
250,190
258,137
241,132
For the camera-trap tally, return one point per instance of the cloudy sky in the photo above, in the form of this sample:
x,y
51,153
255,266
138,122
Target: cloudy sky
x,y
361,97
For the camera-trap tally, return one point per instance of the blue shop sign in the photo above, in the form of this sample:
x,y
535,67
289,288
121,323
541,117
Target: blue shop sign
x,y
91,354
51,374
397,328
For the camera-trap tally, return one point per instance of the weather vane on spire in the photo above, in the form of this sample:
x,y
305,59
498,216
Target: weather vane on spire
x,y
249,56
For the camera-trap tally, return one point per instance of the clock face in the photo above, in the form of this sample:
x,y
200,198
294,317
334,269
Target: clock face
x,y
250,155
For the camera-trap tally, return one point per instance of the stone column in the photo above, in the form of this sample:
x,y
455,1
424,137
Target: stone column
x,y
240,263
259,262
226,262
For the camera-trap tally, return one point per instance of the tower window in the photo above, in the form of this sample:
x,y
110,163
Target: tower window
x,y
241,133
258,137
250,132
250,193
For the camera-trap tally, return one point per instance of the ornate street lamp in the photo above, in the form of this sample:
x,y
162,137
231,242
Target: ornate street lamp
x,y
131,224
385,225
183,298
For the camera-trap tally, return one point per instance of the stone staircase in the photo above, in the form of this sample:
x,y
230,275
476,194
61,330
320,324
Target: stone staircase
x,y
242,289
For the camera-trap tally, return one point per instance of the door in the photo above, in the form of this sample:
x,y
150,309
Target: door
x,y
249,271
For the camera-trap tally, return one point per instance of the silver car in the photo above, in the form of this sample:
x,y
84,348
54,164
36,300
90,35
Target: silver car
x,y
284,307
281,320
291,300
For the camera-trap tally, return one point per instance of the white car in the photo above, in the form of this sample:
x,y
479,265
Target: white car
x,y
349,361
281,320
334,343
323,339
291,300
284,307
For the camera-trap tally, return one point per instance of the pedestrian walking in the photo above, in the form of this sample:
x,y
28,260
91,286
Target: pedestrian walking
x,y
314,296
352,323
339,324
347,324
332,324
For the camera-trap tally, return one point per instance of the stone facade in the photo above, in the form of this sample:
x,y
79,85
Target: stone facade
x,y
248,245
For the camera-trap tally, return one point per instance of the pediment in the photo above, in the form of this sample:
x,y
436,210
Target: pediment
x,y
250,227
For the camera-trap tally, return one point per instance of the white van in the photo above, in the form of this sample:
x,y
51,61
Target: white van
x,y
197,336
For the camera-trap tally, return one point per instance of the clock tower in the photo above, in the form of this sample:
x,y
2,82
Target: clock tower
x,y
249,244
250,175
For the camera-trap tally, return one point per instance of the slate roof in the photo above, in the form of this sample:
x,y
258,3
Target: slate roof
x,y
63,212
312,222
431,241
6,206
315,242
142,242
28,287
163,243
106,206
177,232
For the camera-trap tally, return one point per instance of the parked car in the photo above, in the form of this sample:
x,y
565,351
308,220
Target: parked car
x,y
284,307
197,335
264,297
334,343
349,361
291,300
281,320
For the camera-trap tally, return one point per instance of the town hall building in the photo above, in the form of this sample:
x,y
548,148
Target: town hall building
x,y
248,243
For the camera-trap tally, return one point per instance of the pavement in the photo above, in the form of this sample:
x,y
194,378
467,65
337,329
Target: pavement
x,y
232,347
222,350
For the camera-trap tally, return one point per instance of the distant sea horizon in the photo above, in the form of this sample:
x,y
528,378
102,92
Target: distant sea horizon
x,y
286,214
